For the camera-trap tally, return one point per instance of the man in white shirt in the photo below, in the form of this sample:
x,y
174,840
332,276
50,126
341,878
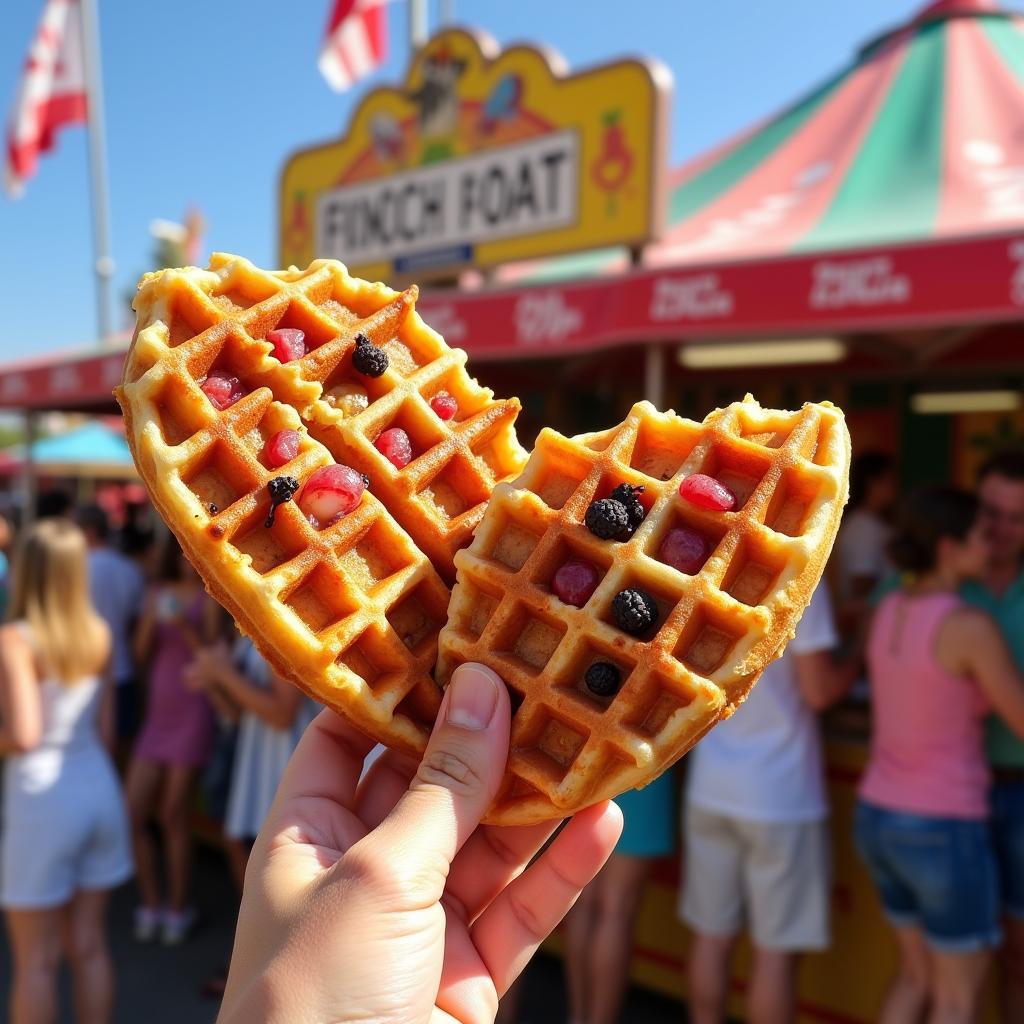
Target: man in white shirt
x,y
860,559
117,588
757,848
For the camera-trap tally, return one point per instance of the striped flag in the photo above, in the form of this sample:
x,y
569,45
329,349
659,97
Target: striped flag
x,y
355,42
52,92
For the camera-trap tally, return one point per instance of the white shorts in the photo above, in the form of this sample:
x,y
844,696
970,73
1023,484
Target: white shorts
x,y
67,837
773,876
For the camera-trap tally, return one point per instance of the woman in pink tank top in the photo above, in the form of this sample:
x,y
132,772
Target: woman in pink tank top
x,y
937,667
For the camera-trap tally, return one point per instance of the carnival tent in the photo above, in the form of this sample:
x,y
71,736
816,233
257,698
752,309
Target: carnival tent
x,y
891,198
918,140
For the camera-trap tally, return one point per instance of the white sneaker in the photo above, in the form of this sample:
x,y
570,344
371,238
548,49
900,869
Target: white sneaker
x,y
147,923
177,925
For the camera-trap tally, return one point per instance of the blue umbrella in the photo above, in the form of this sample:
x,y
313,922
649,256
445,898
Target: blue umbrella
x,y
91,450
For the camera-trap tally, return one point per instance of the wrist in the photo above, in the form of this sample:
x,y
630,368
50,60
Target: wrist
x,y
268,998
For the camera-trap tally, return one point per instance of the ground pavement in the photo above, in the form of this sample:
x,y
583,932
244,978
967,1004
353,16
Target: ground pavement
x,y
157,985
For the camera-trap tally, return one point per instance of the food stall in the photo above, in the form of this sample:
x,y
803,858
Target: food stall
x,y
864,245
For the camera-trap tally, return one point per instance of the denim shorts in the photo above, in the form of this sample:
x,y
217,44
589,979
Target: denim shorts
x,y
1008,839
936,874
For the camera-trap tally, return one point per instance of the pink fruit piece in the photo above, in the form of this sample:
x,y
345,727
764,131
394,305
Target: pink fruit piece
x,y
575,581
395,446
331,493
684,549
282,448
222,388
707,492
444,406
289,343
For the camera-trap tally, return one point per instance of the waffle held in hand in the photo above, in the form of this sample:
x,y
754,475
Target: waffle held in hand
x,y
631,585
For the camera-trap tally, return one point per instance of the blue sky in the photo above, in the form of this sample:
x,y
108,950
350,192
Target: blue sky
x,y
204,101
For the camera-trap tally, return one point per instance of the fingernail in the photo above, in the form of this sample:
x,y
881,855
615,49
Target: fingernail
x,y
472,697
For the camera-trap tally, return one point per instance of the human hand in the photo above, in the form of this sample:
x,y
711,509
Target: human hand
x,y
206,665
385,900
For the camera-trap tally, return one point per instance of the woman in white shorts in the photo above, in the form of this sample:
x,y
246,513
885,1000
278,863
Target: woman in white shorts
x,y
65,840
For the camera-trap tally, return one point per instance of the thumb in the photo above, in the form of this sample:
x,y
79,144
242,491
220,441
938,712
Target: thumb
x,y
454,785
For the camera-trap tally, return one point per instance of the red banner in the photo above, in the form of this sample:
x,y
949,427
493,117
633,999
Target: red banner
x,y
938,284
61,382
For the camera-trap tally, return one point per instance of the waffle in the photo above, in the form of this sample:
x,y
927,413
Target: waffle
x,y
350,613
715,630
440,496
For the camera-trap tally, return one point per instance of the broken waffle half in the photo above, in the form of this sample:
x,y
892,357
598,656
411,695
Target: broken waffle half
x,y
622,651
228,361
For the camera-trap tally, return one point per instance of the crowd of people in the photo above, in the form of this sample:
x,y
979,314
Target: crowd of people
x,y
127,702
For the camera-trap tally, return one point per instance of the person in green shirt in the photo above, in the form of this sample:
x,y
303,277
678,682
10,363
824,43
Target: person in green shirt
x,y
1001,594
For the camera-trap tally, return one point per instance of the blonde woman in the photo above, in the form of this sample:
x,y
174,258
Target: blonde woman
x,y
65,840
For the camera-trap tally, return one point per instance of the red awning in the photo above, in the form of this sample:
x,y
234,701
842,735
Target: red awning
x,y
64,380
931,284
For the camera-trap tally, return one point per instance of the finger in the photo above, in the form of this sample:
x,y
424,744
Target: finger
x,y
491,858
383,785
514,925
453,786
326,763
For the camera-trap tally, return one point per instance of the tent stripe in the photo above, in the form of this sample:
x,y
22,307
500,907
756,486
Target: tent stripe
x,y
723,175
983,147
897,173
784,196
1008,41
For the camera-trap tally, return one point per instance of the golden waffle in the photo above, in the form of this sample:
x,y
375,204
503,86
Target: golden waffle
x,y
349,613
439,497
716,630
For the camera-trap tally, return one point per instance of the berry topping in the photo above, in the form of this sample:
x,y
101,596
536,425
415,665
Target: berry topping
x,y
603,679
331,493
575,581
289,343
444,406
684,549
627,495
395,446
635,611
351,399
282,448
222,388
607,519
281,490
707,492
367,359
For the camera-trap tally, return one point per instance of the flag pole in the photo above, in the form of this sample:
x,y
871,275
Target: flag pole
x,y
417,24
103,261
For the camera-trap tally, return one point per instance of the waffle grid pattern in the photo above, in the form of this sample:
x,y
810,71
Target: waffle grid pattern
x,y
349,613
716,630
440,496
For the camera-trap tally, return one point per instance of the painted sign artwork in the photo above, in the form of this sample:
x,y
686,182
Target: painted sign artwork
x,y
482,157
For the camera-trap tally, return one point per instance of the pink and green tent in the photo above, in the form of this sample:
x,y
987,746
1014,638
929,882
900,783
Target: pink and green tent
x,y
891,195
921,138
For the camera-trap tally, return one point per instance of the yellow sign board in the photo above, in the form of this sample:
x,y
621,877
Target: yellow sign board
x,y
483,157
